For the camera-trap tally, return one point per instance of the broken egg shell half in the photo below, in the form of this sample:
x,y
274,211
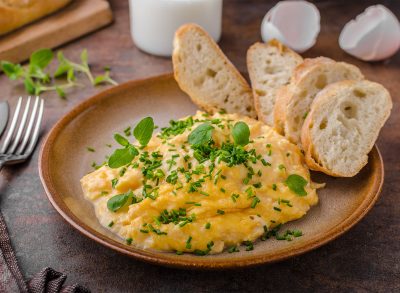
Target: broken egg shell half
x,y
294,23
373,35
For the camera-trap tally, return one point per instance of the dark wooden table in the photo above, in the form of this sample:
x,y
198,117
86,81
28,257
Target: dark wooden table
x,y
367,258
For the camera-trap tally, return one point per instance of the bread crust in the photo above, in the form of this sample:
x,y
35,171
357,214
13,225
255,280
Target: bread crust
x,y
20,13
279,109
300,75
198,100
311,157
284,95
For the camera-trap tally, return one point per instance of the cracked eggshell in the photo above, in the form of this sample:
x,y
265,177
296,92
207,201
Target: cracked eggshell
x,y
294,23
373,35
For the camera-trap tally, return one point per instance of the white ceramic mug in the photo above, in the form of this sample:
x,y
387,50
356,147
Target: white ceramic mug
x,y
154,22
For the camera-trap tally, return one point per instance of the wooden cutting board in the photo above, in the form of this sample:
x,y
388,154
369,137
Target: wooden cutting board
x,y
77,19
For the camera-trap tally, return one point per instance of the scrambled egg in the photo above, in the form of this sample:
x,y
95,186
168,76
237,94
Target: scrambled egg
x,y
199,205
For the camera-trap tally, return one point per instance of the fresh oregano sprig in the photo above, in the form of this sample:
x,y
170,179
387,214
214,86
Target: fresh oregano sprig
x,y
37,80
124,156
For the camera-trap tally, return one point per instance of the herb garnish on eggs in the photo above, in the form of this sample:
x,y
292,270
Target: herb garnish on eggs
x,y
203,184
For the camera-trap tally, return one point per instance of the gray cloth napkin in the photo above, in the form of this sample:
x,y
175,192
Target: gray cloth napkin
x,y
11,279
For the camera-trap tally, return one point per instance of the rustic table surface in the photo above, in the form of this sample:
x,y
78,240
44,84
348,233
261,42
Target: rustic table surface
x,y
367,258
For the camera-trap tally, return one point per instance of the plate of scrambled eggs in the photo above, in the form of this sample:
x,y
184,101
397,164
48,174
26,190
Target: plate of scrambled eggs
x,y
140,169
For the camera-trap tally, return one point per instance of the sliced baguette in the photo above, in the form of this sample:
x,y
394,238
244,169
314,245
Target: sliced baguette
x,y
310,77
17,13
343,125
270,66
207,76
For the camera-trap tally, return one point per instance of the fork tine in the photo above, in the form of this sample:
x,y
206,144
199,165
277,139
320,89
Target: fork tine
x,y
35,134
21,127
29,128
12,127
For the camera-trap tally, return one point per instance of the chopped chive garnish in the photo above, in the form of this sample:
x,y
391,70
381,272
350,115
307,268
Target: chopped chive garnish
x,y
277,209
281,167
127,131
193,203
249,245
90,149
234,196
233,249
111,224
257,185
288,235
217,176
129,241
250,192
222,189
204,193
221,212
179,252
274,187
114,182
208,226
188,244
122,171
255,201
144,231
297,233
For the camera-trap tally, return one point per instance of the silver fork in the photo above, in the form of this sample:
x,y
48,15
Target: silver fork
x,y
20,141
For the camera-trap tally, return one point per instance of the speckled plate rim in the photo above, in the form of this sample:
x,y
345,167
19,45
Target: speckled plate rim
x,y
168,259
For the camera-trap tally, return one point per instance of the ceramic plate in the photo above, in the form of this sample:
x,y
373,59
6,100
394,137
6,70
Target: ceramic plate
x,y
64,159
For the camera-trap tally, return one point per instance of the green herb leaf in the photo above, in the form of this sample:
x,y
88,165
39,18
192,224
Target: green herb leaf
x,y
29,85
201,135
104,79
84,57
38,73
71,75
144,130
13,71
41,58
121,140
241,133
122,157
60,92
118,201
61,70
63,65
296,183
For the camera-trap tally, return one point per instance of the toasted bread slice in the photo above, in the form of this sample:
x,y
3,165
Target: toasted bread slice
x,y
270,67
310,77
343,125
207,76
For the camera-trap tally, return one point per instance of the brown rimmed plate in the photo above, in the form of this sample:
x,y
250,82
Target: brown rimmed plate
x,y
64,159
